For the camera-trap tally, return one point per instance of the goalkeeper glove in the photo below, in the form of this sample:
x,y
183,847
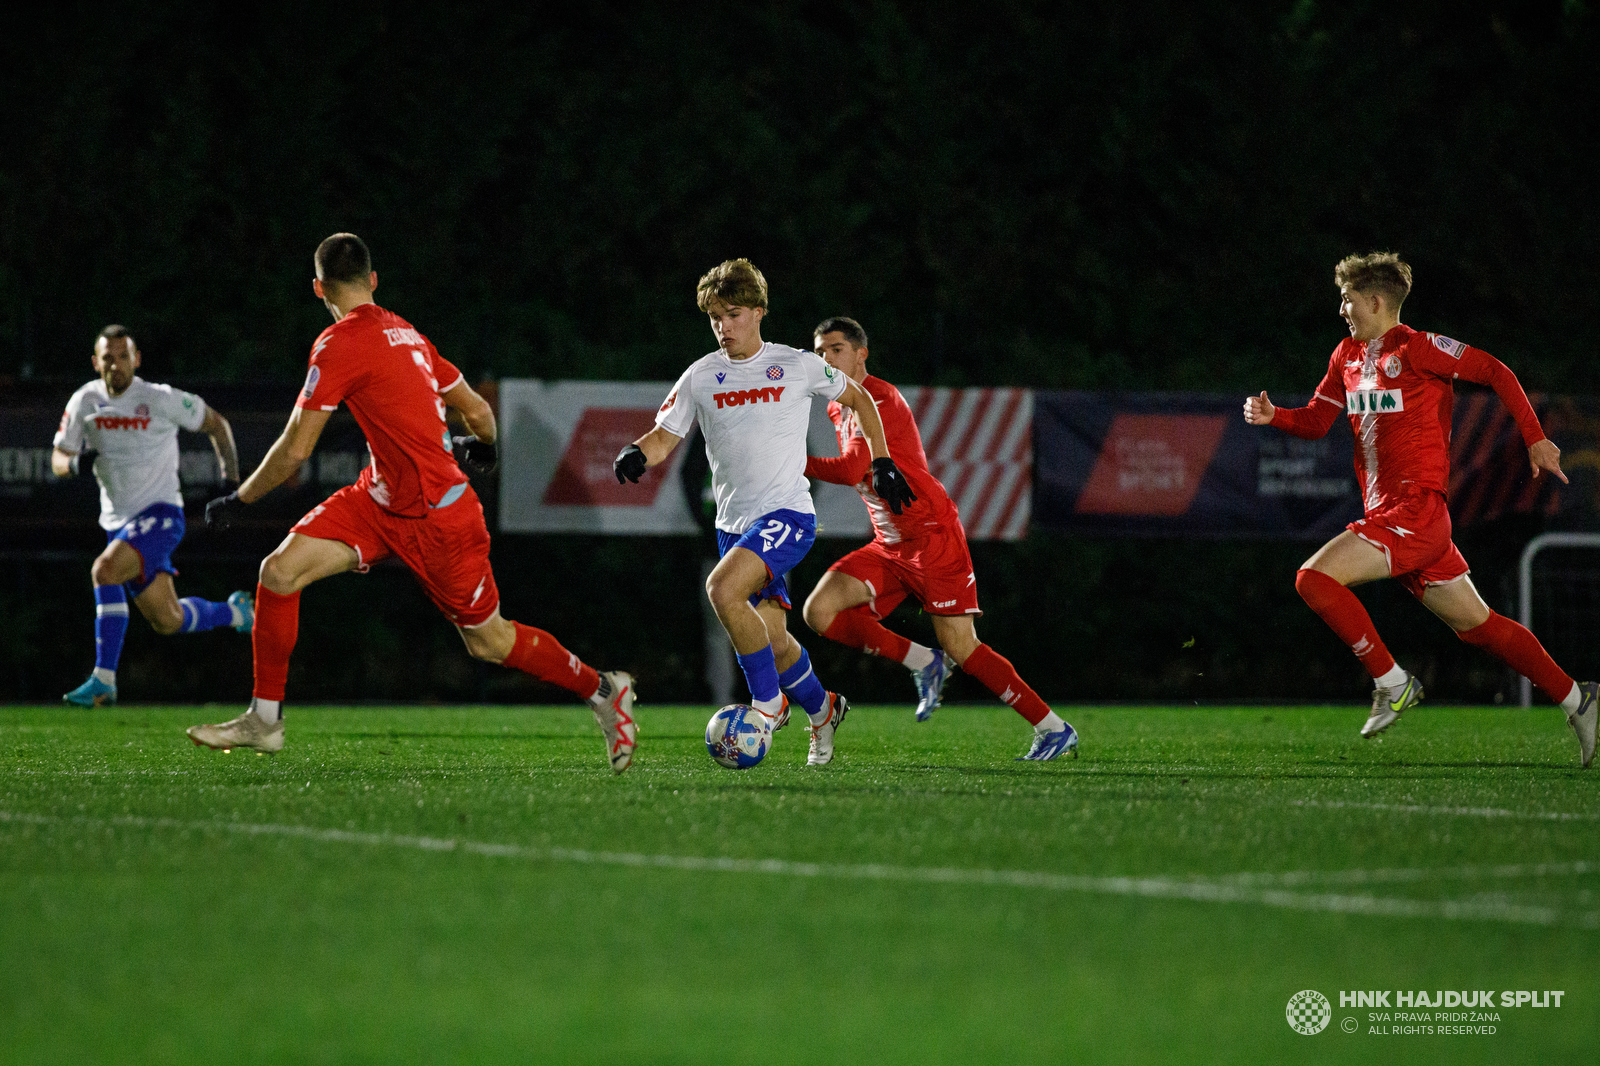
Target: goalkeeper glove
x,y
477,456
630,464
890,485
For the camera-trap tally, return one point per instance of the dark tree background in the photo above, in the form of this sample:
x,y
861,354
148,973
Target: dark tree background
x,y
1086,195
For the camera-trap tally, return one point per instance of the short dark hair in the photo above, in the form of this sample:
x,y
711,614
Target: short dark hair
x,y
343,258
1384,273
112,331
840,324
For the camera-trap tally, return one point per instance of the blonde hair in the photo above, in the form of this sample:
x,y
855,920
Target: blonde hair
x,y
735,283
1384,273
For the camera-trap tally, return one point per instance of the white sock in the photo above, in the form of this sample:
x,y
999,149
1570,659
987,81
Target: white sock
x,y
1394,678
1050,723
109,677
268,711
1574,698
771,708
918,658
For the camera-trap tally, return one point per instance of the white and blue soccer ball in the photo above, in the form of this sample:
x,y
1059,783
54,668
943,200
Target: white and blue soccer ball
x,y
738,736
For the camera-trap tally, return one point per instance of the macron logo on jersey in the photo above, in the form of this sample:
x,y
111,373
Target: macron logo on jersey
x,y
120,422
397,337
1374,401
739,397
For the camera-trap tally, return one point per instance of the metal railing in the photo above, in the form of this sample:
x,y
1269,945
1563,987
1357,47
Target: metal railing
x,y
1525,582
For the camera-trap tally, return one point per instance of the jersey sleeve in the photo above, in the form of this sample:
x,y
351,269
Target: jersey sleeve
x,y
677,412
328,379
183,409
1317,417
444,371
823,380
69,435
847,469
1451,359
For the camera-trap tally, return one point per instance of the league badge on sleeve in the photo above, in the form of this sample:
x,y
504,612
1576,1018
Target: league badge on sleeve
x,y
313,376
1448,346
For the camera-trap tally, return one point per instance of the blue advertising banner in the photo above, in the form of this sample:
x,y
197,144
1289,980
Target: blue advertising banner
x,y
1186,464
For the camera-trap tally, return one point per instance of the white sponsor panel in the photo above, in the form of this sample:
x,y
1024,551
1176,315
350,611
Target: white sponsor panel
x,y
560,437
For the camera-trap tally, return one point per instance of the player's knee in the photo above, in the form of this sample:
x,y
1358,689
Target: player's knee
x,y
818,617
722,593
1305,583
276,575
101,571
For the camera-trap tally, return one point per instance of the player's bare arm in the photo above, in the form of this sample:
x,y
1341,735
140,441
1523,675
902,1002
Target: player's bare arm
x,y
856,398
887,481
221,433
287,454
652,448
61,462
474,410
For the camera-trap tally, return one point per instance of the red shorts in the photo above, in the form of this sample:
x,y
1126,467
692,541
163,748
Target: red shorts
x,y
937,572
1414,535
447,550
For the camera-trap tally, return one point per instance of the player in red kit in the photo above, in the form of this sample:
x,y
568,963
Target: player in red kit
x,y
1394,384
412,502
920,552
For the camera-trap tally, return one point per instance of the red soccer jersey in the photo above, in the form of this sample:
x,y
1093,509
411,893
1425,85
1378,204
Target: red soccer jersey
x,y
933,508
391,377
1397,392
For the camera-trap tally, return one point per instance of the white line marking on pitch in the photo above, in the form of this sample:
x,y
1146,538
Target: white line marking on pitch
x,y
1466,812
1239,888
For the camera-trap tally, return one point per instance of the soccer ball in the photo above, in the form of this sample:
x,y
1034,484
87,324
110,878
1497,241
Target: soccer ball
x,y
738,736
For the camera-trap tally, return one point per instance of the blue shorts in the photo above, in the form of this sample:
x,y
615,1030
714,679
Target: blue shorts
x,y
782,539
154,533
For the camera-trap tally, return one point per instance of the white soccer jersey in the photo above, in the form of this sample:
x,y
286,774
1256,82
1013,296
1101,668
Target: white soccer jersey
x,y
754,413
136,435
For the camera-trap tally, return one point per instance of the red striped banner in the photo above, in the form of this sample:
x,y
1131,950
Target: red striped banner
x,y
979,444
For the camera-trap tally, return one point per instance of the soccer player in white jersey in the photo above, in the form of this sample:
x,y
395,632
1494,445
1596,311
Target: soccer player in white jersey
x,y
752,400
126,430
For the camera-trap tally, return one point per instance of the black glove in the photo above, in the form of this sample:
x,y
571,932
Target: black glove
x,y
83,463
221,511
630,464
890,485
477,456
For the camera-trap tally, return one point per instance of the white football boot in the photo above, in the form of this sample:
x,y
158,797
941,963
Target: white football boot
x,y
1582,719
245,731
1389,704
614,714
821,753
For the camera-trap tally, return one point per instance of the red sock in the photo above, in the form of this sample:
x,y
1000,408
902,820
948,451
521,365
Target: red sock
x,y
1000,677
272,637
1344,614
540,655
1520,650
856,628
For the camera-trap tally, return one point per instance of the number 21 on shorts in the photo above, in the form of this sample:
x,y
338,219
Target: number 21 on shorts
x,y
774,533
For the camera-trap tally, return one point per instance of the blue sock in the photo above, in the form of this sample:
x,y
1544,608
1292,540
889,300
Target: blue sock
x,y
761,673
200,615
110,625
801,683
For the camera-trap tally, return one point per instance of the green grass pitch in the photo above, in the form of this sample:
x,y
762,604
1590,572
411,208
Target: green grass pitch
x,y
462,884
